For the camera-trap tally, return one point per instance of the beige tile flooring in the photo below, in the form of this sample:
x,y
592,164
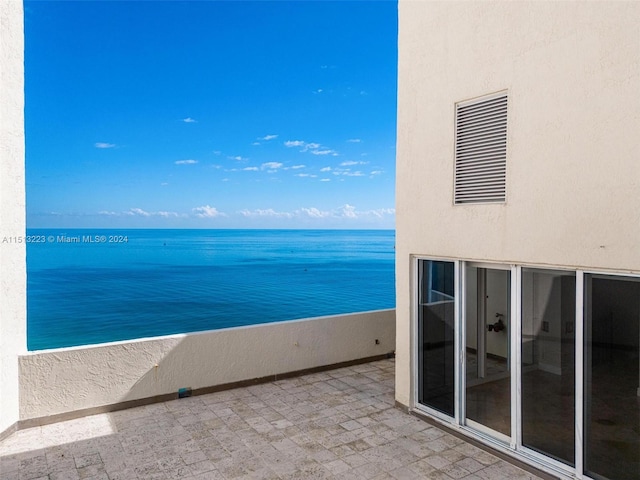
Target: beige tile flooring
x,y
339,424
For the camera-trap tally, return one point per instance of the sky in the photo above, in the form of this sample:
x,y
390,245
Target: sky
x,y
210,114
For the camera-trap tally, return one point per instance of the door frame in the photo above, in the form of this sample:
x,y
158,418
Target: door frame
x,y
463,421
510,445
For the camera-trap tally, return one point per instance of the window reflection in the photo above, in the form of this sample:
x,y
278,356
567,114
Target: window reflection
x,y
436,336
612,390
548,362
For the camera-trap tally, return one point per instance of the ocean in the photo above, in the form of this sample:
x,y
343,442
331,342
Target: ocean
x,y
94,286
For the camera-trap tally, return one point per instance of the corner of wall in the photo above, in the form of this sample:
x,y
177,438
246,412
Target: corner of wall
x,y
403,325
12,210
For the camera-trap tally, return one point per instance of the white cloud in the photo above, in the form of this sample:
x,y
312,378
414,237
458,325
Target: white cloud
x,y
185,162
138,211
143,213
256,143
305,175
354,140
104,145
297,167
163,184
325,169
217,152
272,166
348,211
266,138
318,91
238,158
325,179
347,172
381,212
310,147
345,212
376,172
269,212
313,212
167,214
251,169
323,152
207,212
351,162
189,120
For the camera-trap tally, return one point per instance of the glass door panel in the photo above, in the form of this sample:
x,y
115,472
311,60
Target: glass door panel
x,y
612,377
548,362
436,340
487,352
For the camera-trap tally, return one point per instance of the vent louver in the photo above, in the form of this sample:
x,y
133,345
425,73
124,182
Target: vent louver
x,y
481,151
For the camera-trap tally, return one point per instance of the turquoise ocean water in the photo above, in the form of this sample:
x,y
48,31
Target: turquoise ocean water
x,y
94,286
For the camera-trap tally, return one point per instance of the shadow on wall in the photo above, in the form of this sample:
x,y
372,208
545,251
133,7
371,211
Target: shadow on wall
x,y
72,382
246,353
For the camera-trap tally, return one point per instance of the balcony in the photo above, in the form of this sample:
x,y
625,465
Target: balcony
x,y
339,423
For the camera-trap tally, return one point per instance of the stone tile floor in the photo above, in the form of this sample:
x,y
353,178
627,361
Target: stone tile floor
x,y
339,424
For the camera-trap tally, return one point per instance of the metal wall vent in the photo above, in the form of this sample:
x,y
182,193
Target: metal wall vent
x,y
481,151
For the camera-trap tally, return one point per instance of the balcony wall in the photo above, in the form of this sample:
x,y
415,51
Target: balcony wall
x,y
66,383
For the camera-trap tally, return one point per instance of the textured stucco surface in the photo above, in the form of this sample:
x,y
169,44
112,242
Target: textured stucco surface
x,y
66,380
12,209
572,73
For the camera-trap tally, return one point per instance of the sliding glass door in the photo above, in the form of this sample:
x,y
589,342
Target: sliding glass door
x,y
612,377
543,362
487,349
436,336
548,362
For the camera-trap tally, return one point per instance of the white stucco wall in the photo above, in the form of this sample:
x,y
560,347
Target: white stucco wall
x,y
66,380
572,73
12,209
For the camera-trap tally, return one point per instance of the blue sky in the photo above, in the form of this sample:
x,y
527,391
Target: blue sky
x,y
232,114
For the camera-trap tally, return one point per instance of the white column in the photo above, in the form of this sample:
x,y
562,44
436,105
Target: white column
x,y
12,209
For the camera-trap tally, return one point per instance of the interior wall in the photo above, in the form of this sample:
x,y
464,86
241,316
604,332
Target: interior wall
x,y
616,312
12,209
531,323
54,382
471,308
498,302
548,308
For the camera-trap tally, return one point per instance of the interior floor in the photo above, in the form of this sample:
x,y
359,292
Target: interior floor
x,y
612,411
488,398
613,415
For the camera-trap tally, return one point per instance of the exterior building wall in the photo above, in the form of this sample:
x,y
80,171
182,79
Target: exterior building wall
x,y
63,381
572,73
12,209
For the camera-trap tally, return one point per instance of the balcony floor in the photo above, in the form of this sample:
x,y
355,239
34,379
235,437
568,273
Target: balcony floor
x,y
338,424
